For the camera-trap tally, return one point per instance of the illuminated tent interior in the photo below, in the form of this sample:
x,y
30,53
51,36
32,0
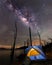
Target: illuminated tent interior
x,y
35,53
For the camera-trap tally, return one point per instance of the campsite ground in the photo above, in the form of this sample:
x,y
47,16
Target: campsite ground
x,y
5,59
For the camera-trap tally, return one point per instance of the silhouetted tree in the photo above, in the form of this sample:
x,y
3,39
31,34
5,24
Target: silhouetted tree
x,y
13,47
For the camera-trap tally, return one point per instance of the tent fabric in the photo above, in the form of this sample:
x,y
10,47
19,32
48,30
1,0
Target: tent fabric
x,y
35,53
32,52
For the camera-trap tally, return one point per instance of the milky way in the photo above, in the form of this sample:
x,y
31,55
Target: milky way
x,y
23,13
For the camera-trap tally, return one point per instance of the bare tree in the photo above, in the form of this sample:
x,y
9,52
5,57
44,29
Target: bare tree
x,y
13,47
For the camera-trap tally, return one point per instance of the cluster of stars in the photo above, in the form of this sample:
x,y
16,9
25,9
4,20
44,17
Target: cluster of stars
x,y
24,14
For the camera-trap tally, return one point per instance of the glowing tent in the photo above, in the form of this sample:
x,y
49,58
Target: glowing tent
x,y
35,53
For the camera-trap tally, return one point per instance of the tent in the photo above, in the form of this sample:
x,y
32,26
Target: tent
x,y
35,53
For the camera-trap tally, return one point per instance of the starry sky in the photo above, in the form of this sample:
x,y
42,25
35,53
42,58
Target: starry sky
x,y
42,10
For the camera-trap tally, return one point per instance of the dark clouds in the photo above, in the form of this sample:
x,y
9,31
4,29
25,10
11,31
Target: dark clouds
x,y
42,10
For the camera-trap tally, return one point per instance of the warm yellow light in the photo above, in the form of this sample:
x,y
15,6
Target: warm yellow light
x,y
33,52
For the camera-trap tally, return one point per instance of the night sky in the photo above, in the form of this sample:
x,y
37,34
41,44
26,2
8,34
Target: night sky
x,y
42,10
